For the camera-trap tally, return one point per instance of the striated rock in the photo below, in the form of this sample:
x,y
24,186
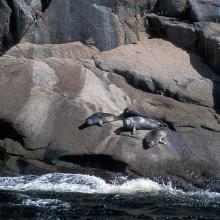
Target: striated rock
x,y
104,23
205,10
209,43
46,93
181,33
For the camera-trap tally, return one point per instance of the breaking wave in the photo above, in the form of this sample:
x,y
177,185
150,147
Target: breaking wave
x,y
79,183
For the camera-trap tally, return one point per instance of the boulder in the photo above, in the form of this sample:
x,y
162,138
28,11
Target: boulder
x,y
157,66
46,96
105,24
17,17
209,43
176,31
205,10
171,8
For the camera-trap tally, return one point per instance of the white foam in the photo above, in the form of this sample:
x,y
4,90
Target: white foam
x,y
58,182
76,183
51,203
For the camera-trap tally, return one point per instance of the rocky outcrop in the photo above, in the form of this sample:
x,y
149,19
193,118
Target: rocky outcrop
x,y
171,8
200,37
105,24
205,10
48,90
183,79
208,43
5,12
176,31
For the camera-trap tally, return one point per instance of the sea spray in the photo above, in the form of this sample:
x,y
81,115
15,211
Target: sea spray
x,y
79,183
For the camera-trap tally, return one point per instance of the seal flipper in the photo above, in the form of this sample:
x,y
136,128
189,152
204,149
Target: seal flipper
x,y
99,123
162,141
133,130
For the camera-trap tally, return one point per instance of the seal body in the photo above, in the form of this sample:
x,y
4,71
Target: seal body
x,y
141,123
127,113
156,136
99,118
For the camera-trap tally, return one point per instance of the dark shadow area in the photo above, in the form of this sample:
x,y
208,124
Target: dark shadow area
x,y
205,71
3,156
122,131
13,29
145,146
119,131
45,4
167,123
7,130
99,161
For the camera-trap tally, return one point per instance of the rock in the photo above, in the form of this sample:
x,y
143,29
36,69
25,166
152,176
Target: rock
x,y
17,17
107,30
38,22
209,43
181,33
75,50
90,21
154,66
206,10
5,37
22,19
45,98
171,8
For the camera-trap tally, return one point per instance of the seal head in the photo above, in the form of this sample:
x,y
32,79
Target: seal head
x,y
156,136
98,118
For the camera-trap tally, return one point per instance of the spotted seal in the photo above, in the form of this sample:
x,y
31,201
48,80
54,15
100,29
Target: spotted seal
x,y
141,123
99,118
156,136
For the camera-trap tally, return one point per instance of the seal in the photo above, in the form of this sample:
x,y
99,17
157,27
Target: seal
x,y
130,113
141,123
155,136
99,118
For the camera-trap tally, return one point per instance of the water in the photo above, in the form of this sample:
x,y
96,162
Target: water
x,y
76,196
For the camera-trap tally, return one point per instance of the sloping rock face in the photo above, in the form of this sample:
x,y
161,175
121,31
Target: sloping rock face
x,y
179,78
47,92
